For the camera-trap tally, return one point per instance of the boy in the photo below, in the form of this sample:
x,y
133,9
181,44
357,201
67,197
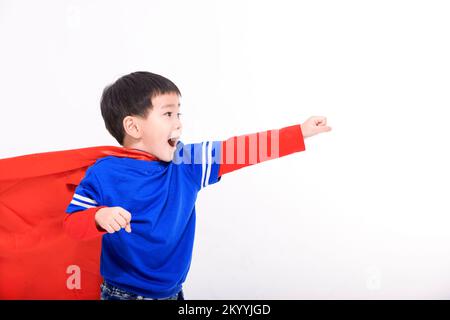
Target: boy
x,y
145,208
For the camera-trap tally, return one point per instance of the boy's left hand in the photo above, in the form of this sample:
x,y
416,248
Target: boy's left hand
x,y
314,125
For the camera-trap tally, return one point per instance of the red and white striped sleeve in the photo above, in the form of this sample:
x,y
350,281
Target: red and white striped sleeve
x,y
246,150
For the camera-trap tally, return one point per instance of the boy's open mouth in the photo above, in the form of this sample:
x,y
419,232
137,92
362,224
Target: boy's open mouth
x,y
172,142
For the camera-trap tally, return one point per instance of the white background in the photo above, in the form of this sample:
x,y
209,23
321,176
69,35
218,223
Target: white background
x,y
363,213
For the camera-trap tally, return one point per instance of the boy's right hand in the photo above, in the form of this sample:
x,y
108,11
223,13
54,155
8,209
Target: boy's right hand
x,y
112,219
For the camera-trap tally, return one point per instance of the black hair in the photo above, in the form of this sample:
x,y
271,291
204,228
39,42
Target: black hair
x,y
131,95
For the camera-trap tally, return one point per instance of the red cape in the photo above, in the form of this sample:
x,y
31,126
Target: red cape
x,y
35,254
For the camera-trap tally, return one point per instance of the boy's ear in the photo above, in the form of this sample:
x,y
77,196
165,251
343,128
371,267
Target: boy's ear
x,y
132,127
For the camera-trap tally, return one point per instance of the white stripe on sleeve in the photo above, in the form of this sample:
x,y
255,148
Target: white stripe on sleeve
x,y
81,204
203,163
77,196
208,170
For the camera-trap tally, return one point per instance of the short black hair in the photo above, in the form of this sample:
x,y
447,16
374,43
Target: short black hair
x,y
131,95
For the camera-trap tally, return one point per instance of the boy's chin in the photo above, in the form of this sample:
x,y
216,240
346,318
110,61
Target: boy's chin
x,y
166,158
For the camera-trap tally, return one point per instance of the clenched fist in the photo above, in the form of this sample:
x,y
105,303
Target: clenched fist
x,y
112,219
314,125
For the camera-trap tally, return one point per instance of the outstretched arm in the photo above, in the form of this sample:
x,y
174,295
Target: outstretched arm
x,y
242,151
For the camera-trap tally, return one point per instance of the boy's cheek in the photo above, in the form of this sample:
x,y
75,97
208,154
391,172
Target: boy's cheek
x,y
170,156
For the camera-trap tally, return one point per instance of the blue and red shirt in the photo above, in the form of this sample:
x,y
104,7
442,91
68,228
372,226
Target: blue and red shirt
x,y
154,259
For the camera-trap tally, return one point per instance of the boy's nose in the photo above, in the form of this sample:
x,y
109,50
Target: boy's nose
x,y
179,126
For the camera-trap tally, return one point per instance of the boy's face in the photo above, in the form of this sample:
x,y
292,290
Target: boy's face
x,y
161,129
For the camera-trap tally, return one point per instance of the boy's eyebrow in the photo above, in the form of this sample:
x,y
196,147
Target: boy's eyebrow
x,y
169,106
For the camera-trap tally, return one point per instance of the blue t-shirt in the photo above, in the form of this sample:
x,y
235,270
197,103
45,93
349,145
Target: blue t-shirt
x,y
153,260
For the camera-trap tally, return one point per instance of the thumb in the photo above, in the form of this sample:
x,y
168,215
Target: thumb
x,y
323,128
128,228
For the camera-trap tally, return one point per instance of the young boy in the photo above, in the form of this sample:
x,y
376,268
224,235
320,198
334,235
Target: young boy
x,y
145,208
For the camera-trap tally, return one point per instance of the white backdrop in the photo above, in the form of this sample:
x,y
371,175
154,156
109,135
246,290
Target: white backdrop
x,y
363,213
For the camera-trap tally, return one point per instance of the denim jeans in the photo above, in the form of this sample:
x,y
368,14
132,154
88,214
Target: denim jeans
x,y
110,292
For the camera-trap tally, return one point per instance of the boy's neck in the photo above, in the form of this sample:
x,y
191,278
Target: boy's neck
x,y
137,147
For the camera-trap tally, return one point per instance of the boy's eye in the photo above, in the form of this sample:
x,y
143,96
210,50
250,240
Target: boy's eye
x,y
170,114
